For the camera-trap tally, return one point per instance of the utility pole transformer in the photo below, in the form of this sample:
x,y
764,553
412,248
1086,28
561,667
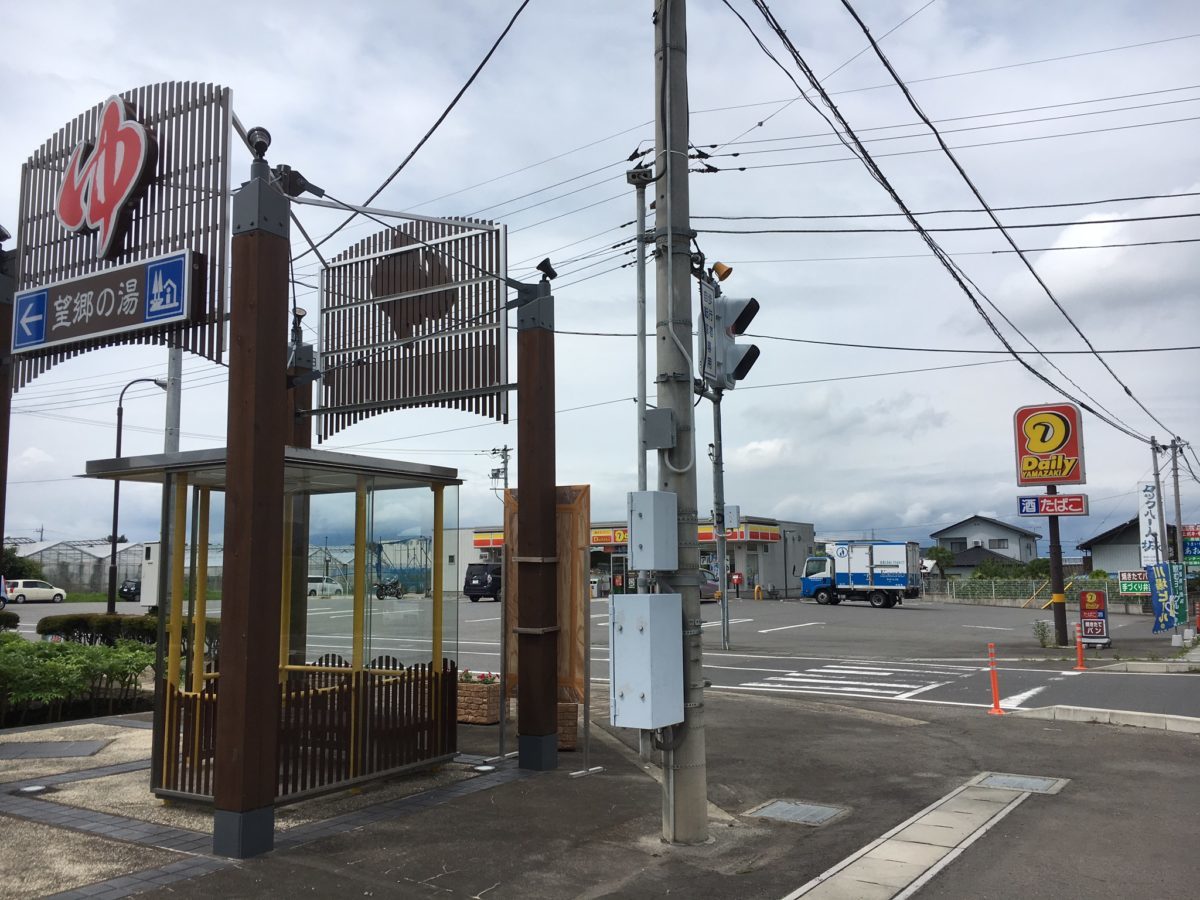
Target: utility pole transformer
x,y
685,791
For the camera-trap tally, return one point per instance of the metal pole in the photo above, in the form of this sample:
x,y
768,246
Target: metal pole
x,y
1163,554
8,284
174,391
588,768
1058,597
112,558
718,462
501,749
685,800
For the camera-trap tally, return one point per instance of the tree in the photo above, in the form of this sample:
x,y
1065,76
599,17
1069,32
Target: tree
x,y
1099,575
1038,568
943,557
994,568
13,566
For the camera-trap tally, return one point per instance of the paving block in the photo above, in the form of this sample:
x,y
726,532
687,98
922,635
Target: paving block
x,y
882,871
850,889
897,850
933,834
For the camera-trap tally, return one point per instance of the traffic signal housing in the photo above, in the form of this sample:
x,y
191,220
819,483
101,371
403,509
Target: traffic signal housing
x,y
733,360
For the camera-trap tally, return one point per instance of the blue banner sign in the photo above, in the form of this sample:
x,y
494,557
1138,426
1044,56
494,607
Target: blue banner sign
x,y
1161,597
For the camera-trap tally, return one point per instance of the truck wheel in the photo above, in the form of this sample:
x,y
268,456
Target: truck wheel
x,y
877,599
835,600
889,602
823,596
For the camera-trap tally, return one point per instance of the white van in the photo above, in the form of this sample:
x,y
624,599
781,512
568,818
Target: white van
x,y
319,586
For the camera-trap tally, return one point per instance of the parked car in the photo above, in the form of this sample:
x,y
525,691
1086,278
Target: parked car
x,y
323,586
22,589
710,588
483,580
130,589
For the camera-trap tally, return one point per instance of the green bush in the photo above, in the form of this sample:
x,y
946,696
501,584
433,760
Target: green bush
x,y
100,628
50,674
9,620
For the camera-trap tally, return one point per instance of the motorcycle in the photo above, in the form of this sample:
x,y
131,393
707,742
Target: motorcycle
x,y
390,588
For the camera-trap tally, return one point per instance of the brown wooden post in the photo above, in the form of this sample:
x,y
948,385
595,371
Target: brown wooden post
x,y
536,556
259,426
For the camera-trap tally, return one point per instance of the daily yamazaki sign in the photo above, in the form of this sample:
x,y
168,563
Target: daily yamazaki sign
x,y
1049,441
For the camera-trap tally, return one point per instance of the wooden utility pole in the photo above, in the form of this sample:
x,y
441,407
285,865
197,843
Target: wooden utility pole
x,y
259,426
685,782
1058,592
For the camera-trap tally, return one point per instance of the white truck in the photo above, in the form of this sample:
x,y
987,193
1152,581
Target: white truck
x,y
883,573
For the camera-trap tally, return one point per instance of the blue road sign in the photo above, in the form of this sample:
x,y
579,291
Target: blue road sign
x,y
29,320
165,290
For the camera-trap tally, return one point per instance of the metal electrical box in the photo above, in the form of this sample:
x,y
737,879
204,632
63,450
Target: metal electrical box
x,y
653,531
645,662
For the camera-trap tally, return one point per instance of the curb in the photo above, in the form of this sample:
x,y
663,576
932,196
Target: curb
x,y
1178,665
1159,721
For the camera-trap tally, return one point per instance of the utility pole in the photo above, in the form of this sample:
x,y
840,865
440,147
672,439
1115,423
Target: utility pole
x,y
718,461
1176,449
1058,593
1163,553
8,286
174,392
685,794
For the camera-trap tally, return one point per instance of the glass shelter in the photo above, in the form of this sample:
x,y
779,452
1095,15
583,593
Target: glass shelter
x,y
367,656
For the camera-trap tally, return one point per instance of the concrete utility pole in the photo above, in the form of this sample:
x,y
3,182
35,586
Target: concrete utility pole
x,y
685,792
1176,449
719,524
8,285
174,392
1164,553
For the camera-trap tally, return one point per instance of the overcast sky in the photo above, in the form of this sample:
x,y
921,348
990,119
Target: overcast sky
x,y
812,435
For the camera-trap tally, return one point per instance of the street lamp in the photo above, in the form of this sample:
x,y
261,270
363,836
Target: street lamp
x,y
112,559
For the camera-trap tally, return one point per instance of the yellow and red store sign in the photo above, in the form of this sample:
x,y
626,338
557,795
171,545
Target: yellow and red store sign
x,y
618,535
1049,441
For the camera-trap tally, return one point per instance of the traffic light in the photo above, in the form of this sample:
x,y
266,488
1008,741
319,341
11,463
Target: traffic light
x,y
732,360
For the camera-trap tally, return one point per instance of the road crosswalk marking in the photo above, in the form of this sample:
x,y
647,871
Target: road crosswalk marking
x,y
862,679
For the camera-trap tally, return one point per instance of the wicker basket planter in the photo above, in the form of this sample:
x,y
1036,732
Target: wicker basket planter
x,y
478,704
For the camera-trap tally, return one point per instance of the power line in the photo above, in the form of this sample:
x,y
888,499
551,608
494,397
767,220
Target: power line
x,y
873,169
1020,140
950,228
428,134
810,259
991,213
940,212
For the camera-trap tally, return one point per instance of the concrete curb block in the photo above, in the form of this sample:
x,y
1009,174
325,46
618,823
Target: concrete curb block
x,y
1178,665
1160,721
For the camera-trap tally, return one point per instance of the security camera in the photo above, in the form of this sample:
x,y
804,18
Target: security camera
x,y
547,270
259,140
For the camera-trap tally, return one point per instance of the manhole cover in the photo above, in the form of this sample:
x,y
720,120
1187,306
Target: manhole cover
x,y
813,814
1034,784
50,749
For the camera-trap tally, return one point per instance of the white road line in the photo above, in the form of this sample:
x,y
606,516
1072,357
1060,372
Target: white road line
x,y
800,679
989,627
888,671
731,622
798,690
928,687
493,619
1015,701
786,627
813,689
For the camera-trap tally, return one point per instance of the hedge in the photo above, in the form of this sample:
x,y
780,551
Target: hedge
x,y
100,628
9,620
49,675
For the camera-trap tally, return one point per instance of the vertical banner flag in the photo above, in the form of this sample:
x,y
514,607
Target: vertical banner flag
x,y
1160,597
1148,523
1179,591
1191,545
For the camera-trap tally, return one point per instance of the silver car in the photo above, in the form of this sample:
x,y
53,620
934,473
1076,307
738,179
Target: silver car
x,y
22,589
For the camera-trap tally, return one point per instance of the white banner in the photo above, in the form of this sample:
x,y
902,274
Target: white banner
x,y
1148,523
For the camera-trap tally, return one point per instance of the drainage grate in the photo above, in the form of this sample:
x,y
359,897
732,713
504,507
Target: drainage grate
x,y
50,749
1034,784
799,813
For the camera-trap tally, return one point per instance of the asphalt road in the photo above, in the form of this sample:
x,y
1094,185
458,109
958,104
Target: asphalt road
x,y
922,652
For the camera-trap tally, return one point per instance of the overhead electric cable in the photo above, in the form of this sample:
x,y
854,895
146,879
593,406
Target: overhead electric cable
x,y
873,169
949,228
434,127
991,214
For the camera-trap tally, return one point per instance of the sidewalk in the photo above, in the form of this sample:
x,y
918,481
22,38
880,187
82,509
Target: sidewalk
x,y
511,834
